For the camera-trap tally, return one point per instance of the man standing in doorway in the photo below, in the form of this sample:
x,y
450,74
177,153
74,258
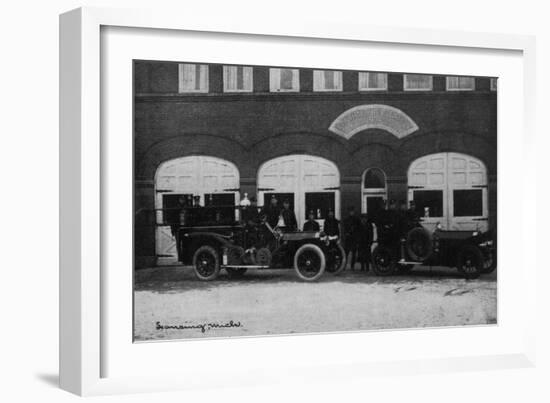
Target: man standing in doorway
x,y
365,242
351,235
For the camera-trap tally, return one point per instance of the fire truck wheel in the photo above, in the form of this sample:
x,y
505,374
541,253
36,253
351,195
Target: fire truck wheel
x,y
336,259
419,244
470,262
309,262
206,263
383,261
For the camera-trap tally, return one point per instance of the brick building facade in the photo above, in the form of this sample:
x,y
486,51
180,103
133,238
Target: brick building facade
x,y
436,143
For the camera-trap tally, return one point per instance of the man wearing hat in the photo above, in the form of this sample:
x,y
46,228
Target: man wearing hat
x,y
311,224
351,235
287,217
271,212
331,227
365,238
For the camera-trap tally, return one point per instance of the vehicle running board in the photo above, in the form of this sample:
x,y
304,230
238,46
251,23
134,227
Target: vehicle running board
x,y
243,266
405,262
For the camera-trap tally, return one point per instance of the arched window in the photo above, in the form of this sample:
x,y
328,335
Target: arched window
x,y
310,183
374,190
184,181
450,189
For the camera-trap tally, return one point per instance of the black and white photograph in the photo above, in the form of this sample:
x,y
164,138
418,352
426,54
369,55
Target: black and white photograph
x,y
279,200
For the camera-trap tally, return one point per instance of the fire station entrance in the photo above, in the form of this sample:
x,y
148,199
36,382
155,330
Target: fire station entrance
x,y
450,189
181,182
309,183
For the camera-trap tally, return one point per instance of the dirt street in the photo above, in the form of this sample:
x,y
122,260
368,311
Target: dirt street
x,y
170,303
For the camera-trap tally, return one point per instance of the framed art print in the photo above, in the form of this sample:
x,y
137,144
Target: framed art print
x,y
338,189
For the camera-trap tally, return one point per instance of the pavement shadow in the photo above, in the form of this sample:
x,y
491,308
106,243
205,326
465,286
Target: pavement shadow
x,y
181,278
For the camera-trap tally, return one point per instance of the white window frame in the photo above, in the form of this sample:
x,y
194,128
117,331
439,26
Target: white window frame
x,y
385,88
275,80
450,88
204,70
372,192
493,83
248,87
318,78
405,88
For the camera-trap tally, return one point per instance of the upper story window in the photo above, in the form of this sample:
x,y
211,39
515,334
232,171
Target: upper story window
x,y
327,80
284,80
456,83
417,82
493,84
193,77
373,81
237,79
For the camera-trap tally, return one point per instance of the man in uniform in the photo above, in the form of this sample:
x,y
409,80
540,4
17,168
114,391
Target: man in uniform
x,y
412,215
331,227
271,212
365,242
288,217
351,235
311,224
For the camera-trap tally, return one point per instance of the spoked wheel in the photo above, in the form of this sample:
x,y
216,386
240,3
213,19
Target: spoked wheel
x,y
336,259
419,244
206,263
233,272
470,262
383,261
309,262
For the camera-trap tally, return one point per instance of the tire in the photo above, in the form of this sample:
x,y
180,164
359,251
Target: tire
x,y
383,261
206,263
470,262
235,255
489,264
419,244
309,262
336,259
235,273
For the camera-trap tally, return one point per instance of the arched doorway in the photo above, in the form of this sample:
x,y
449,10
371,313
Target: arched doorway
x,y
215,181
308,182
374,190
450,189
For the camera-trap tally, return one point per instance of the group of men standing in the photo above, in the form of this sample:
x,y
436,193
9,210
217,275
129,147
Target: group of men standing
x,y
356,231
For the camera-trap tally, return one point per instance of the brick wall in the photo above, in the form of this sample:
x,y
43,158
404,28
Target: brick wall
x,y
249,129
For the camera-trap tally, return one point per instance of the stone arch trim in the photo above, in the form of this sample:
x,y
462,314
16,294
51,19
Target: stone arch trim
x,y
373,116
186,145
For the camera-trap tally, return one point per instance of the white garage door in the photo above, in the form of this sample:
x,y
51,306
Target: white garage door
x,y
207,177
451,189
310,183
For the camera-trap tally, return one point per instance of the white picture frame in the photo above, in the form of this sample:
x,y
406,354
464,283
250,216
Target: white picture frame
x,y
85,309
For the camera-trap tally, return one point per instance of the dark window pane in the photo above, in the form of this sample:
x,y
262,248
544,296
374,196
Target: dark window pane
x,y
431,199
226,207
374,179
468,203
320,203
172,204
